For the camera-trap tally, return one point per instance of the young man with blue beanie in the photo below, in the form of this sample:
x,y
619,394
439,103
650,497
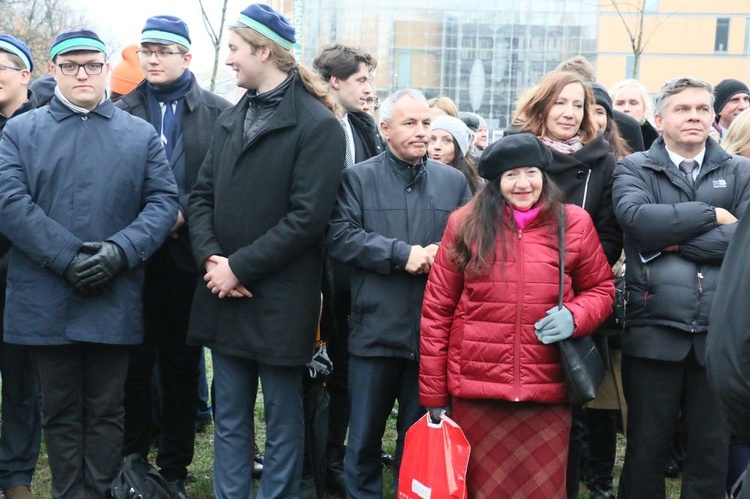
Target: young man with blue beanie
x,y
20,430
171,99
258,213
87,196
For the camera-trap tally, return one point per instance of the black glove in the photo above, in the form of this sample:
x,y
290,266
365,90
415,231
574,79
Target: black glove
x,y
97,271
73,277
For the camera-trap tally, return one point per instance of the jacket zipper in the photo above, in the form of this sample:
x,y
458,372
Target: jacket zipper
x,y
586,189
519,310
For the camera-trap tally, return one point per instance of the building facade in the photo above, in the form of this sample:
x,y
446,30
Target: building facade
x,y
480,53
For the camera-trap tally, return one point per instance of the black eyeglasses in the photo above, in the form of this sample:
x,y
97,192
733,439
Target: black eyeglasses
x,y
162,55
72,69
3,68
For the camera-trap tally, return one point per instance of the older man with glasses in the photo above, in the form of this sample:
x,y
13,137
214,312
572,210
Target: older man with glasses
x,y
86,196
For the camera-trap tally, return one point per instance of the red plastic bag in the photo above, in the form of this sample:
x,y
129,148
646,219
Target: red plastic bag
x,y
434,462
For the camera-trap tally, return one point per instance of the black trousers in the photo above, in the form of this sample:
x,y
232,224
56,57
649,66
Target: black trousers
x,y
338,383
656,391
82,415
166,310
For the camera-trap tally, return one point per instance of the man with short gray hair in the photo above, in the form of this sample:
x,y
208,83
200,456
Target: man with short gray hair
x,y
677,204
391,212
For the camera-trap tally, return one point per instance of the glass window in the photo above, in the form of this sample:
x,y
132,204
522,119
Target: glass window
x,y
722,34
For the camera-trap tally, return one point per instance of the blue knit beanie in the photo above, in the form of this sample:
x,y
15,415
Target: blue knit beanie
x,y
81,39
166,30
268,23
16,47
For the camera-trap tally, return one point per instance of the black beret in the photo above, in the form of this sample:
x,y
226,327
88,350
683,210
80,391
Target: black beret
x,y
513,151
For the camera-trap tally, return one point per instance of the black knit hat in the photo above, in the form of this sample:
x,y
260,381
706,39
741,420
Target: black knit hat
x,y
513,151
725,90
602,98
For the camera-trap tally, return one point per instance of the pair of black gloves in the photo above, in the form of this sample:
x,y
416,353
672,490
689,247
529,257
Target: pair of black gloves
x,y
95,265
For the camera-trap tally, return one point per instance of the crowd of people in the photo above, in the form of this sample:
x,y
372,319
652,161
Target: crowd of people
x,y
152,219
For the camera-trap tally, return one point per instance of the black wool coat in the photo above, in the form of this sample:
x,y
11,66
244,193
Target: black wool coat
x,y
202,108
265,205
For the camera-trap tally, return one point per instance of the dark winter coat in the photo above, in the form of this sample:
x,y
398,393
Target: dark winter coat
x,y
669,297
728,341
66,178
201,110
478,339
265,205
585,178
384,207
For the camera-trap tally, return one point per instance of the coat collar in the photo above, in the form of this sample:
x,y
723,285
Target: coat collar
x,y
60,111
285,114
138,96
658,157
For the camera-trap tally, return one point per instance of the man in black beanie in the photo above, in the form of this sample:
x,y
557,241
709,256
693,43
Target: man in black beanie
x,y
731,97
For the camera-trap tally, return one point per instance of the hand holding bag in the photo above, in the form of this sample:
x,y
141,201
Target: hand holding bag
x,y
434,461
582,365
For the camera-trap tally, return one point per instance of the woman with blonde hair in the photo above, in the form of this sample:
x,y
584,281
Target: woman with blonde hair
x,y
631,97
737,140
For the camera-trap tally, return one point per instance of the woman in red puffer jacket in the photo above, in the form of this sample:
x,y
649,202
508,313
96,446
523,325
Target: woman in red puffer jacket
x,y
490,321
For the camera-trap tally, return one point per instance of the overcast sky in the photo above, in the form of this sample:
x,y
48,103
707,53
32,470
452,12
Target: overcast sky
x,y
121,25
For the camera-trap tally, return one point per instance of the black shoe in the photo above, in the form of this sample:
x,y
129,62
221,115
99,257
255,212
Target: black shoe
x,y
201,424
335,483
177,487
257,462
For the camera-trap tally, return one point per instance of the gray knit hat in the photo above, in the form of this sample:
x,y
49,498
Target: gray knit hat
x,y
455,127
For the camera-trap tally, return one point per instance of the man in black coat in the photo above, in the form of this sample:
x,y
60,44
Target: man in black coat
x,y
348,71
678,205
390,214
182,112
258,214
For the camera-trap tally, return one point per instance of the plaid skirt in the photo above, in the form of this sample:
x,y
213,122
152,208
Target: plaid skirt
x,y
518,449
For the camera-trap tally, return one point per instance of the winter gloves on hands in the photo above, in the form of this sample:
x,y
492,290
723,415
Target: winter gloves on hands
x,y
94,266
556,326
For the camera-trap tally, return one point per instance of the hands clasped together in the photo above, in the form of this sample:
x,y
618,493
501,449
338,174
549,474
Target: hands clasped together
x,y
221,280
421,259
95,265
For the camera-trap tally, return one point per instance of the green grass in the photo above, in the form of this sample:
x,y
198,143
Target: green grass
x,y
200,472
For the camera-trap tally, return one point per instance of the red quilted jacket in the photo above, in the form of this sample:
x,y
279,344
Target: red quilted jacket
x,y
477,332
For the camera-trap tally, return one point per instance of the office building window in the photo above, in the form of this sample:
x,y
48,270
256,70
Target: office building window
x,y
722,34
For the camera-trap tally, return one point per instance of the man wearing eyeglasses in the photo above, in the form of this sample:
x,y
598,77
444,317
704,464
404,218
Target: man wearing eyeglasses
x,y
86,196
20,433
183,114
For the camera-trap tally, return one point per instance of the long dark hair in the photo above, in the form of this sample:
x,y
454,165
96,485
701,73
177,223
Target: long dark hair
x,y
617,145
486,217
466,164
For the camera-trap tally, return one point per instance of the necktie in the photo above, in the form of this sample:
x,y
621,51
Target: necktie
x,y
687,166
166,128
349,160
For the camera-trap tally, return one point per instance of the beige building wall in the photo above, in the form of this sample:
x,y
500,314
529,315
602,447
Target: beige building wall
x,y
681,41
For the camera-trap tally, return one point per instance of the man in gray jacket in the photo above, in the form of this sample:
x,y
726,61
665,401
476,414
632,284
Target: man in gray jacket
x,y
678,205
391,212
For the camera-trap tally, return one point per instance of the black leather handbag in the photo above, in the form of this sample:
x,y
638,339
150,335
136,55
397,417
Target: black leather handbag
x,y
582,364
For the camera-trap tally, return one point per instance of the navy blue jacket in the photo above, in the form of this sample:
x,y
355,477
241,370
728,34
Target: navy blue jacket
x,y
66,178
384,207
